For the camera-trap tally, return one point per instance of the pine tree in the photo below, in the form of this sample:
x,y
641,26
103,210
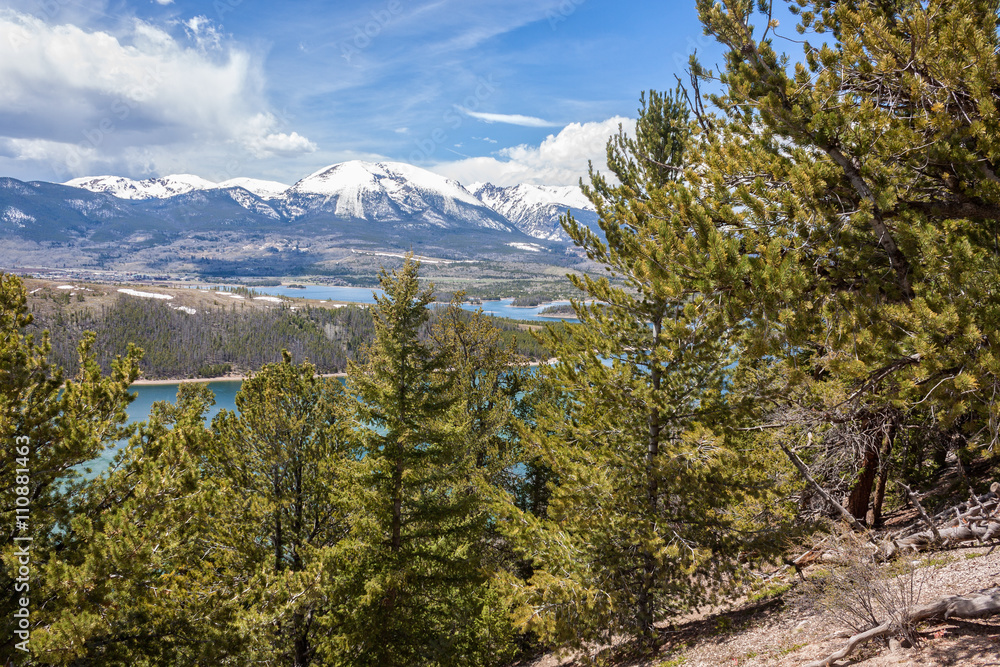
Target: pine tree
x,y
136,578
640,519
284,460
849,201
55,426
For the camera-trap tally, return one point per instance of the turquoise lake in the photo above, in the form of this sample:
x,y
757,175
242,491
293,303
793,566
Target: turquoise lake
x,y
147,394
366,295
225,390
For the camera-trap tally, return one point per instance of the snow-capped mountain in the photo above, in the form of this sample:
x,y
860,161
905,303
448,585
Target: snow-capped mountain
x,y
248,226
150,188
383,192
388,204
535,209
390,192
263,189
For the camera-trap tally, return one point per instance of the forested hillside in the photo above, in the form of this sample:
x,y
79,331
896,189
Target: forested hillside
x,y
220,341
798,335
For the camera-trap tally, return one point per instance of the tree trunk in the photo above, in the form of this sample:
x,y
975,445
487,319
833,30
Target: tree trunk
x,y
644,599
301,647
397,505
278,538
985,603
883,477
857,503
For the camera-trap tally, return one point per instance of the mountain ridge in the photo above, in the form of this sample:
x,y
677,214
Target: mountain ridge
x,y
183,224
375,191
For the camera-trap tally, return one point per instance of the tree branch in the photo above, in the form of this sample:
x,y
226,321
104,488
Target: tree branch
x,y
822,492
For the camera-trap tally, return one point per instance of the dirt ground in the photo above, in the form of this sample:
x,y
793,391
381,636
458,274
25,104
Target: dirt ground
x,y
795,629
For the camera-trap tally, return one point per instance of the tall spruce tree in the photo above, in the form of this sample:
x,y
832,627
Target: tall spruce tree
x,y
417,581
640,519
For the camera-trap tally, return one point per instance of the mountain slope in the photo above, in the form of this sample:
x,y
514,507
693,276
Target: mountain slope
x,y
47,212
535,209
390,192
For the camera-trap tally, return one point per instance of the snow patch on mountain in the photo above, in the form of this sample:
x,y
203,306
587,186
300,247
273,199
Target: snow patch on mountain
x,y
263,189
15,186
146,295
17,217
531,247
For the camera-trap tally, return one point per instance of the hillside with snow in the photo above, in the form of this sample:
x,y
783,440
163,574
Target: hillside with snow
x,y
390,192
535,209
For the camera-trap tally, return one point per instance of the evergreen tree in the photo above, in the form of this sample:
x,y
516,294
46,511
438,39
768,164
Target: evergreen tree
x,y
418,584
283,460
640,520
136,578
848,203
491,382
49,426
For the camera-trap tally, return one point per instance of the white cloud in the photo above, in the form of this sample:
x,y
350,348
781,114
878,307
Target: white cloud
x,y
204,33
561,159
164,2
510,119
79,101
280,143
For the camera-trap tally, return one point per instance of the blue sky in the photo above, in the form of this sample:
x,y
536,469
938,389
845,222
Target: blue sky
x,y
501,90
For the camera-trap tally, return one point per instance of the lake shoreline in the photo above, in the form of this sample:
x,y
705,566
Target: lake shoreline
x,y
221,378
241,378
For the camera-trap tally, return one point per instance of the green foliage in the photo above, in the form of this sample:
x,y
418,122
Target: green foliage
x,y
285,464
134,579
847,205
415,580
214,370
63,423
642,516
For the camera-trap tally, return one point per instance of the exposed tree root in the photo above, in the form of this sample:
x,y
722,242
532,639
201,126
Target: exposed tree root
x,y
984,603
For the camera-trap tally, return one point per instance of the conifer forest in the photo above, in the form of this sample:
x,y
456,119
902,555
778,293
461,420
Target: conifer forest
x,y
798,323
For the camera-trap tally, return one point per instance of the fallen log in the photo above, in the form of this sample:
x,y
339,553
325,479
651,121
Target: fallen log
x,y
979,532
985,603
